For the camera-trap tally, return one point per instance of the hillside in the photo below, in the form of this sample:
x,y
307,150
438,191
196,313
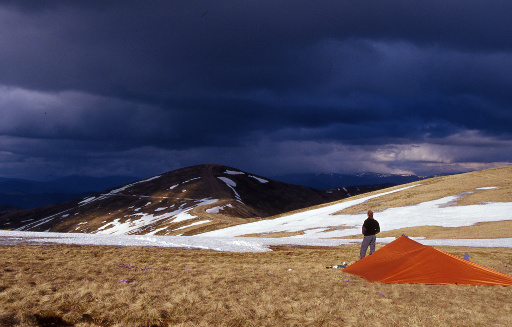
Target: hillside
x,y
8,209
182,202
475,205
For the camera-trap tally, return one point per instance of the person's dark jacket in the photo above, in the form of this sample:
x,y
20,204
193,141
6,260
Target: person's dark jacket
x,y
370,227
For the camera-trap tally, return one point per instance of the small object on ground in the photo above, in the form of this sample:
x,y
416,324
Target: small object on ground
x,y
342,266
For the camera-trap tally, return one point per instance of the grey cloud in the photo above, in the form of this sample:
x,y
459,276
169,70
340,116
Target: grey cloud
x,y
185,77
157,45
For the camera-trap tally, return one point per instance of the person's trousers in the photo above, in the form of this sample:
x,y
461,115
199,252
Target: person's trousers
x,y
368,241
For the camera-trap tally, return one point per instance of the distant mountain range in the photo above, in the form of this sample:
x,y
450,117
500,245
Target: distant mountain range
x,y
186,201
330,181
28,194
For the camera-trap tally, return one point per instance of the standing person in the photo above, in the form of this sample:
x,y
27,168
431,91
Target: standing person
x,y
370,229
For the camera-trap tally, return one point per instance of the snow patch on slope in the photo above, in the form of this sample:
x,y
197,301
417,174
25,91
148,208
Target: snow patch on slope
x,y
194,224
232,186
316,220
232,172
218,208
138,221
318,223
132,184
261,180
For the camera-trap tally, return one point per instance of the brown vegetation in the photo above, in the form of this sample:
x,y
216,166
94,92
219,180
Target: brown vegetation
x,y
467,186
85,286
471,188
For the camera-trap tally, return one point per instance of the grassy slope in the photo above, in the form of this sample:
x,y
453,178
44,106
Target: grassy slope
x,y
95,286
465,185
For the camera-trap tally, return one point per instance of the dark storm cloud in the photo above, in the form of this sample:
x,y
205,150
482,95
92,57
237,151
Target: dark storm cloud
x,y
114,76
149,48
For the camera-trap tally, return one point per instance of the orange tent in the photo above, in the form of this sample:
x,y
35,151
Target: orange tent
x,y
407,261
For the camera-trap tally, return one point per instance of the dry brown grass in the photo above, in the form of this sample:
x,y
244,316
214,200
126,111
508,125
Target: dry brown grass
x,y
85,286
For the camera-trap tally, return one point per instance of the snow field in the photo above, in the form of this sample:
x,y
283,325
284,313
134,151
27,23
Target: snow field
x,y
228,244
141,220
317,223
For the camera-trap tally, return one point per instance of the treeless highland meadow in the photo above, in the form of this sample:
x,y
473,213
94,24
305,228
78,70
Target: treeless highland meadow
x,y
84,286
93,286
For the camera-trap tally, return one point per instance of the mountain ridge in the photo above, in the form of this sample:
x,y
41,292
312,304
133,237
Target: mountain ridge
x,y
327,181
181,202
29,194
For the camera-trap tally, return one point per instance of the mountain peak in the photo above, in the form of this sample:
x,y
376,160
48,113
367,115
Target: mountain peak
x,y
186,201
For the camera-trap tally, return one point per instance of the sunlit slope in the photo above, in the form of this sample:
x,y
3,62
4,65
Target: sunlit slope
x,y
186,201
471,205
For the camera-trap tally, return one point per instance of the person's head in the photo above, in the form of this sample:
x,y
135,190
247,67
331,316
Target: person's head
x,y
370,214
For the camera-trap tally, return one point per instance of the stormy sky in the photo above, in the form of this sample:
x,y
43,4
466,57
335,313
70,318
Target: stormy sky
x,y
271,87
